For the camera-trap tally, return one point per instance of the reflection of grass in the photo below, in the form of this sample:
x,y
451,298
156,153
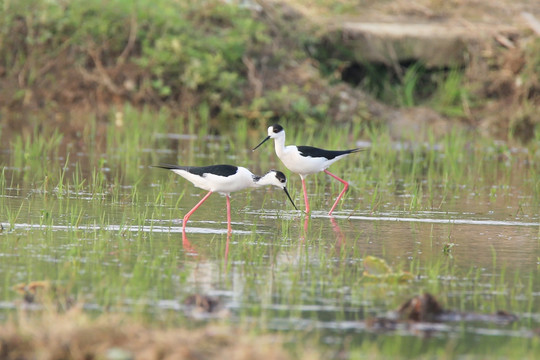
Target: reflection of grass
x,y
2,184
36,152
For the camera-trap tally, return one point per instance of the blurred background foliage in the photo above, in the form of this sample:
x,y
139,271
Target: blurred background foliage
x,y
256,63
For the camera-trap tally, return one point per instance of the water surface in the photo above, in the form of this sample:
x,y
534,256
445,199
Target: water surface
x,y
121,248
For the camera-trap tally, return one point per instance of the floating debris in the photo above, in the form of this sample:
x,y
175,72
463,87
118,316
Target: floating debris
x,y
376,269
447,249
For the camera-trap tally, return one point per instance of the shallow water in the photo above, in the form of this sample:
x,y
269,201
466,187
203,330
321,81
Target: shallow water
x,y
123,250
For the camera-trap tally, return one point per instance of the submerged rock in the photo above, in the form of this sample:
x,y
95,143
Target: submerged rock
x,y
201,306
424,313
421,308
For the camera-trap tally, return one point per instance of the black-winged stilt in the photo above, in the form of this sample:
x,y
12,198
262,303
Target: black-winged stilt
x,y
225,179
305,160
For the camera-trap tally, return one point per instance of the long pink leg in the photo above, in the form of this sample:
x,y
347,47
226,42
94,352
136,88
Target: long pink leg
x,y
305,195
342,191
229,228
186,217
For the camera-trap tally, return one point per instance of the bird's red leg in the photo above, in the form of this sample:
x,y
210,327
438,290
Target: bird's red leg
x,y
342,191
186,217
305,195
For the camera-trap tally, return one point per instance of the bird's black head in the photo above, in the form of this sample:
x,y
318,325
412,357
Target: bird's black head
x,y
281,177
283,180
277,128
272,133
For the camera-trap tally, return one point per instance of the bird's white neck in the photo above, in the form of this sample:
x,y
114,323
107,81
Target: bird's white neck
x,y
279,143
266,179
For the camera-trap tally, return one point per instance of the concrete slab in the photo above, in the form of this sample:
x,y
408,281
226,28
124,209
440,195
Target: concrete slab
x,y
435,44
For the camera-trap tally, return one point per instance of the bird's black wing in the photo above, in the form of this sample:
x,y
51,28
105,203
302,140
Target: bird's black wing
x,y
310,151
220,170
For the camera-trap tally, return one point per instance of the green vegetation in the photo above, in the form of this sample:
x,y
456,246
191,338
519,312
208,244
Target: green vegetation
x,y
443,90
160,39
187,55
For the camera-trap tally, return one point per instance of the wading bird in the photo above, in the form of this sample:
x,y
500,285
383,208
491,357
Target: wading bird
x,y
225,179
305,160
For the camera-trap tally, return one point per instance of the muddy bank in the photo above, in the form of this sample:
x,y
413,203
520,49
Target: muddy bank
x,y
76,336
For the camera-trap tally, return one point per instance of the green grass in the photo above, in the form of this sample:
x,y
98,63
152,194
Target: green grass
x,y
35,152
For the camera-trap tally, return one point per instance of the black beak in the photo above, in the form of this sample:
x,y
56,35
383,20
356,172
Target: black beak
x,y
262,142
286,192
